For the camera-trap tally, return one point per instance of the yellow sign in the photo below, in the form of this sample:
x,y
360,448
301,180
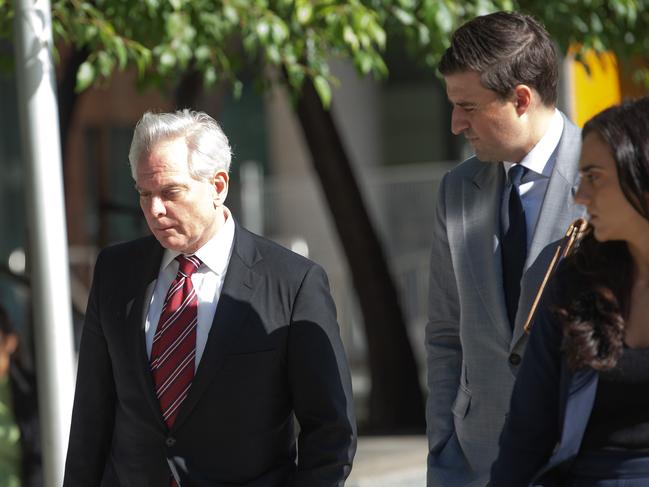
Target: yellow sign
x,y
598,90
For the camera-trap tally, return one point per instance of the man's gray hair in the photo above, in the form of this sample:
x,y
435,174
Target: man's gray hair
x,y
209,149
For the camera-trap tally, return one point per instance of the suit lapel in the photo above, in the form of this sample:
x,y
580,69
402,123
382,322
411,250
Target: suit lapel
x,y
558,207
232,310
142,277
481,220
558,211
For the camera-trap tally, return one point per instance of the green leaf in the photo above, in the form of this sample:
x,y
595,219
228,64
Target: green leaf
x,y
209,76
231,14
263,29
272,51
378,34
596,23
167,59
405,17
408,4
90,32
121,52
176,24
361,19
304,13
364,62
280,31
183,54
350,37
423,35
237,89
85,76
295,75
202,53
323,89
444,18
106,63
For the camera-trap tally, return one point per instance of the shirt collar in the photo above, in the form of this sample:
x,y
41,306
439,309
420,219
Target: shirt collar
x,y
539,160
215,254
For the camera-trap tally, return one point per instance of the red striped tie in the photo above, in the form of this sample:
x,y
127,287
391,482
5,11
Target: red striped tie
x,y
174,344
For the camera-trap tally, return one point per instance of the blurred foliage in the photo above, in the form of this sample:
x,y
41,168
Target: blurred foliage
x,y
219,38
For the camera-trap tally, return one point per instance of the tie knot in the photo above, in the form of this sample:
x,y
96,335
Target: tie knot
x,y
516,174
188,265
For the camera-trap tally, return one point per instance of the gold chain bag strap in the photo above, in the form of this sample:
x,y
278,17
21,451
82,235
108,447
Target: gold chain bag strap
x,y
573,233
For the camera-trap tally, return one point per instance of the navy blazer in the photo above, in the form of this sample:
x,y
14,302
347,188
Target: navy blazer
x,y
549,410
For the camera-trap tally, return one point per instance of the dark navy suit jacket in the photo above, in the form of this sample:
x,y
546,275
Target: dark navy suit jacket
x,y
273,354
549,410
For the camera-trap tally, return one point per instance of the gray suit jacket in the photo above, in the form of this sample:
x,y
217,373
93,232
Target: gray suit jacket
x,y
472,354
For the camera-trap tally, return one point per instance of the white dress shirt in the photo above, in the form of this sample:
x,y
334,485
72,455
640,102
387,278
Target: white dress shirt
x,y
539,162
207,282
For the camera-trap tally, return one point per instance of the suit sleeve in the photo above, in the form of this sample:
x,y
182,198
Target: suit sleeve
x,y
443,347
320,385
94,402
532,426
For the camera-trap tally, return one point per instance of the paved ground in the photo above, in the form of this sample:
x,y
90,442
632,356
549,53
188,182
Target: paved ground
x,y
389,461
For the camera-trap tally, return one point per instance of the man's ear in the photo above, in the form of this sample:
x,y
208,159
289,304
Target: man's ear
x,y
221,183
522,98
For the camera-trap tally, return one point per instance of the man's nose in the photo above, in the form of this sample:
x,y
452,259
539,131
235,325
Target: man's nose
x,y
157,207
458,121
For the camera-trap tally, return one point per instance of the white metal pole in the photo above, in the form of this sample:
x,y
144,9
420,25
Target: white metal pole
x,y
48,251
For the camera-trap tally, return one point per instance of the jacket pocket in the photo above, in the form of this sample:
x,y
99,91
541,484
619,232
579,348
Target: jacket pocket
x,y
462,402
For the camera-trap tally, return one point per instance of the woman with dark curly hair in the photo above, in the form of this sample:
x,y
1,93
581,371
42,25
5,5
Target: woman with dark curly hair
x,y
579,412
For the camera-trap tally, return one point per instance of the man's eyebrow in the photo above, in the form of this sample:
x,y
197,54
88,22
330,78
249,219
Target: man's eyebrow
x,y
169,186
166,187
464,104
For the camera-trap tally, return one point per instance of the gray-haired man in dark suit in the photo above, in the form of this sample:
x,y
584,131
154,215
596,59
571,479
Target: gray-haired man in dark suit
x,y
203,342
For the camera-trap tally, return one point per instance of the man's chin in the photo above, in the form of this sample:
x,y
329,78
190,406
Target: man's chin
x,y
171,242
485,156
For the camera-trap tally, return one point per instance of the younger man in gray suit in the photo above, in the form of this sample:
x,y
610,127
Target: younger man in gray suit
x,y
497,215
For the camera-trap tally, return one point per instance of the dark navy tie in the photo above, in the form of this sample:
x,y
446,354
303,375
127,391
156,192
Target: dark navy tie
x,y
514,241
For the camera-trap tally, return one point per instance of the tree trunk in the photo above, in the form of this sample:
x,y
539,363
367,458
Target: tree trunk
x,y
188,90
396,401
67,95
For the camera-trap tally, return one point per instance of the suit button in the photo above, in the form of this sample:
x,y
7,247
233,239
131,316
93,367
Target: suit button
x,y
514,359
171,441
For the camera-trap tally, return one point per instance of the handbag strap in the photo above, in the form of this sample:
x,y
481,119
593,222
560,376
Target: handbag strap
x,y
575,230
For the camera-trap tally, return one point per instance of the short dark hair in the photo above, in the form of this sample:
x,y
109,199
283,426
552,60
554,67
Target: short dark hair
x,y
507,49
